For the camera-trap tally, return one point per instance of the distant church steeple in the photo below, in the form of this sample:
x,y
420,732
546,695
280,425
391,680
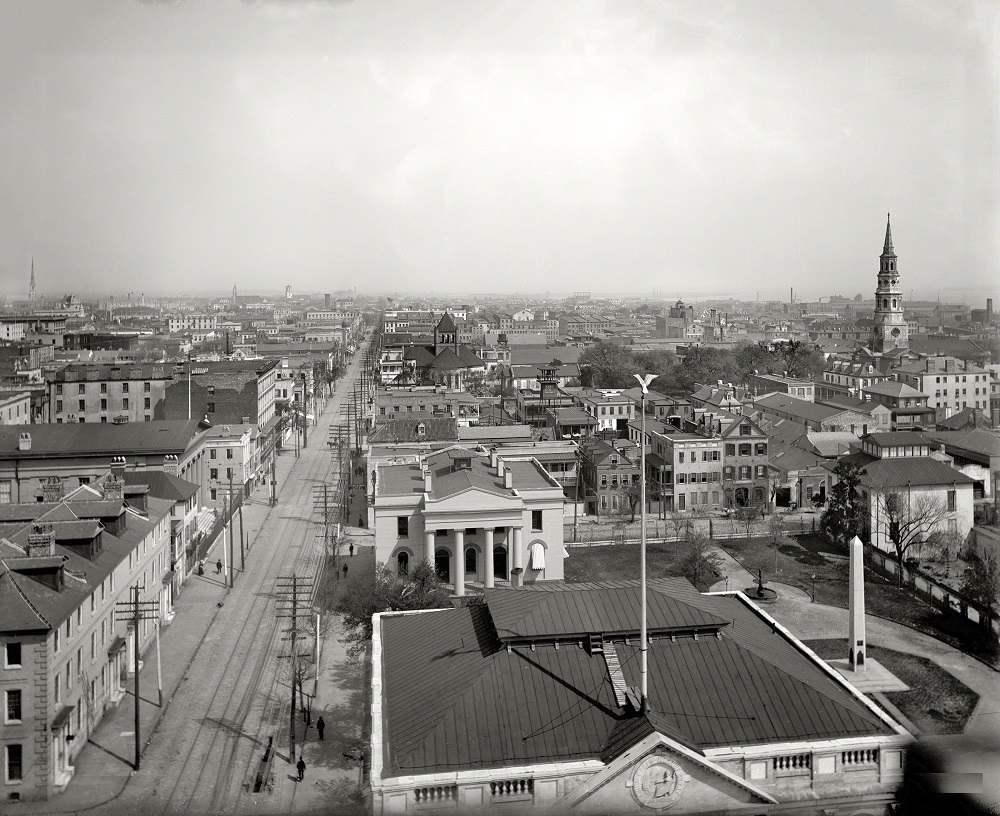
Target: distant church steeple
x,y
234,294
32,292
889,330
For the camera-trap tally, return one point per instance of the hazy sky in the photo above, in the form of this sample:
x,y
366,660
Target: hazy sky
x,y
423,145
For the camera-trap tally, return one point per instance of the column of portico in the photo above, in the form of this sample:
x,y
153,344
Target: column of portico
x,y
516,560
458,563
488,556
429,547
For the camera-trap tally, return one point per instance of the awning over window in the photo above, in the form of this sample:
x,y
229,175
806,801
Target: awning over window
x,y
116,645
168,576
61,717
537,550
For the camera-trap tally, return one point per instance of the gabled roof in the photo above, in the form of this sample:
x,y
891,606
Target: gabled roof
x,y
916,471
893,388
802,409
607,608
407,429
162,485
446,324
454,697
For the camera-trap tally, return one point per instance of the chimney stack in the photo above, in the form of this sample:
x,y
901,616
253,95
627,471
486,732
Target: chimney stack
x,y
498,463
52,489
326,301
114,488
427,479
508,478
170,464
118,466
24,441
41,541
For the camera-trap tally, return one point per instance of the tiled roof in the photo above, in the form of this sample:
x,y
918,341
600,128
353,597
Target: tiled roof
x,y
454,698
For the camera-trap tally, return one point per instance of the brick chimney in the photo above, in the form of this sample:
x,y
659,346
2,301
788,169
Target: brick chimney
x,y
118,466
508,478
41,541
427,480
114,488
24,441
171,465
52,489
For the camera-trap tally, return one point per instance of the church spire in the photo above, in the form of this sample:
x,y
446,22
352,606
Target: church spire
x,y
31,286
887,249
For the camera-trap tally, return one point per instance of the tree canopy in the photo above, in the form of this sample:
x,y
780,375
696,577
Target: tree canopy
x,y
845,514
609,365
385,591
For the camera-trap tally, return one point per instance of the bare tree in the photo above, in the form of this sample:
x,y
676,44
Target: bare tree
x,y
744,520
908,519
700,560
680,523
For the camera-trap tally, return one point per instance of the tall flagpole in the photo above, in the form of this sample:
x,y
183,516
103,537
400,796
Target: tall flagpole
x,y
644,381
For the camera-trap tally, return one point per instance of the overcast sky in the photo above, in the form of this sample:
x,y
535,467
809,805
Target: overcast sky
x,y
462,146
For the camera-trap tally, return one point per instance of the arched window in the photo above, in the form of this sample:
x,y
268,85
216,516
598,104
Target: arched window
x,y
403,563
470,559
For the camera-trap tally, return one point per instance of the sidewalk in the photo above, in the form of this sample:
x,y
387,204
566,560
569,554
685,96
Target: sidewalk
x,y
104,766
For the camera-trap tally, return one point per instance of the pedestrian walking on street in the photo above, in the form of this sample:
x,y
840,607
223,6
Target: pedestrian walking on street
x,y
361,521
345,570
351,549
301,767
218,566
320,726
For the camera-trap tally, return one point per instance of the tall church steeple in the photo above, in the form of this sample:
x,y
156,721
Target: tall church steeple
x,y
889,330
32,292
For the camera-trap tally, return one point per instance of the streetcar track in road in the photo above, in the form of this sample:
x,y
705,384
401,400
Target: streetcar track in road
x,y
214,741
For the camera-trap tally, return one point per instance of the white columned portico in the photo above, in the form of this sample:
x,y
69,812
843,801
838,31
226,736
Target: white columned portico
x,y
488,556
458,565
429,547
517,560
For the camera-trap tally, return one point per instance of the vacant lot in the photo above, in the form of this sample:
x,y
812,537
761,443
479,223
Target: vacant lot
x,y
936,703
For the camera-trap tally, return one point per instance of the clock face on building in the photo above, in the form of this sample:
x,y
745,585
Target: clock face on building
x,y
657,782
894,332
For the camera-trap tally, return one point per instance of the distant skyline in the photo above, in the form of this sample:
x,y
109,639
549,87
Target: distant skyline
x,y
677,146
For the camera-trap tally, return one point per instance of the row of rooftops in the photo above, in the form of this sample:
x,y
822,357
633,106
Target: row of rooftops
x,y
55,554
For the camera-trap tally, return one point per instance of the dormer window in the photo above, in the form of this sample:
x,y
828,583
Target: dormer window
x,y
421,430
463,464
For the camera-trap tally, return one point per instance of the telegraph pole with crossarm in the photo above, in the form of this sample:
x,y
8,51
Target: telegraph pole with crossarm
x,y
294,598
132,612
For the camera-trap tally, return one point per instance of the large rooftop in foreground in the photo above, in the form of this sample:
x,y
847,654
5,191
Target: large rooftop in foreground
x,y
491,686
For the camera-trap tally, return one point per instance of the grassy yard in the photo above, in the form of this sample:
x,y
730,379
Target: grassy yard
x,y
805,561
618,562
937,703
809,561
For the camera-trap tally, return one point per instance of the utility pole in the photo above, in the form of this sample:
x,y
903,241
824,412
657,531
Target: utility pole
x,y
132,612
293,596
232,559
305,411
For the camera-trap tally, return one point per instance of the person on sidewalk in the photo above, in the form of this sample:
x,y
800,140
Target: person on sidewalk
x,y
300,766
320,727
218,566
345,570
351,549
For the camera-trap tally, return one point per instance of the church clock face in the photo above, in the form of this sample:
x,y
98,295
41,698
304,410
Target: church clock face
x,y
657,782
895,332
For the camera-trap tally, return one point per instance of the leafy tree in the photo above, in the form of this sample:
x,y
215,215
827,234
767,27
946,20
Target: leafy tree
x,y
751,357
981,581
845,512
700,561
385,591
802,360
607,365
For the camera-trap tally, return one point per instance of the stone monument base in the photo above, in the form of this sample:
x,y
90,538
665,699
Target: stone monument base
x,y
874,678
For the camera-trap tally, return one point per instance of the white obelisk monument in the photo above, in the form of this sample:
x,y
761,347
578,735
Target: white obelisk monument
x,y
856,655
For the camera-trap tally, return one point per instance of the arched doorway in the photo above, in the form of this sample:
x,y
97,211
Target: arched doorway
x,y
403,563
442,565
742,497
500,562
